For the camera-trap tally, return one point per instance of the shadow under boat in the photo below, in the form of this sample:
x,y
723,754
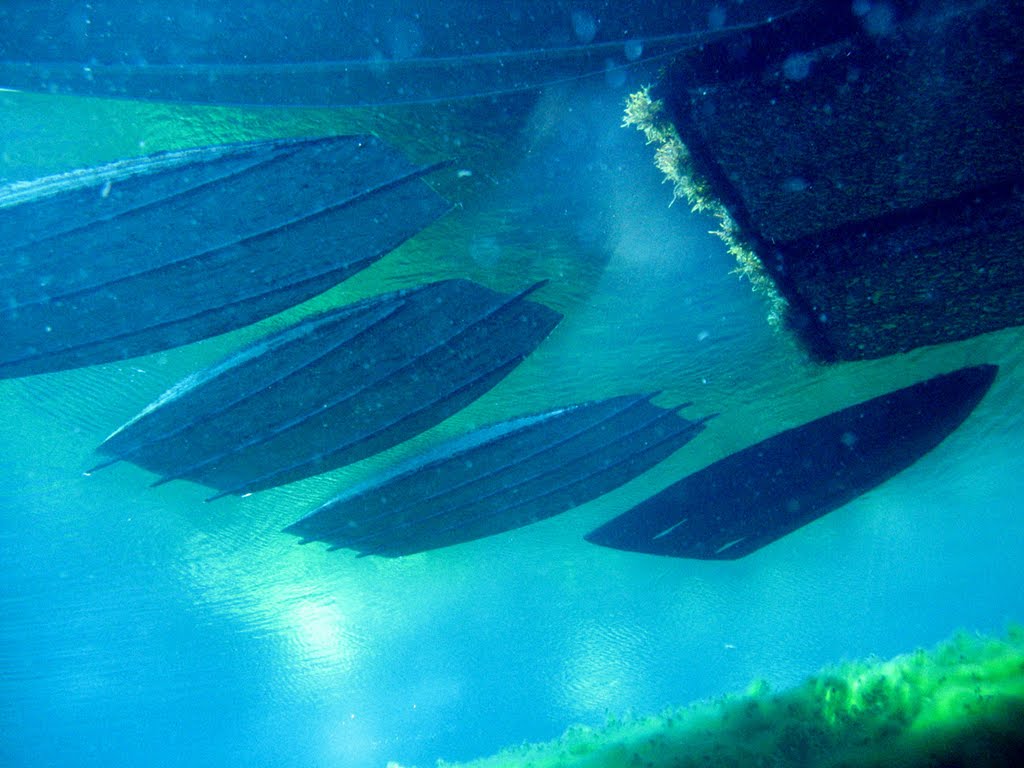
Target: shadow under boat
x,y
137,256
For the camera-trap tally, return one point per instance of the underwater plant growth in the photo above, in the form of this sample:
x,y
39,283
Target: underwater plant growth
x,y
961,703
671,157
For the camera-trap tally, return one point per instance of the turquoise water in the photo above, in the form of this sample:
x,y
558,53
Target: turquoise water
x,y
142,626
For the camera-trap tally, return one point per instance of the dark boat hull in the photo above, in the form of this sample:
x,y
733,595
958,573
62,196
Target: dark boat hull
x,y
142,255
501,477
334,388
751,498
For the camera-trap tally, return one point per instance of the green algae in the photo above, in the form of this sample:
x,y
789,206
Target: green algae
x,y
672,158
962,703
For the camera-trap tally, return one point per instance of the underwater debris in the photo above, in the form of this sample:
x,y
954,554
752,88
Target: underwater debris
x,y
107,263
753,497
334,388
962,703
501,477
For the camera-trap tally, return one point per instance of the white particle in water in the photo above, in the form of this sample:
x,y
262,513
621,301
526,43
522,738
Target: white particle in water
x,y
716,17
797,66
584,25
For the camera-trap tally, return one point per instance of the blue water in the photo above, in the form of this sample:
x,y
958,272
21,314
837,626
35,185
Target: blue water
x,y
141,626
